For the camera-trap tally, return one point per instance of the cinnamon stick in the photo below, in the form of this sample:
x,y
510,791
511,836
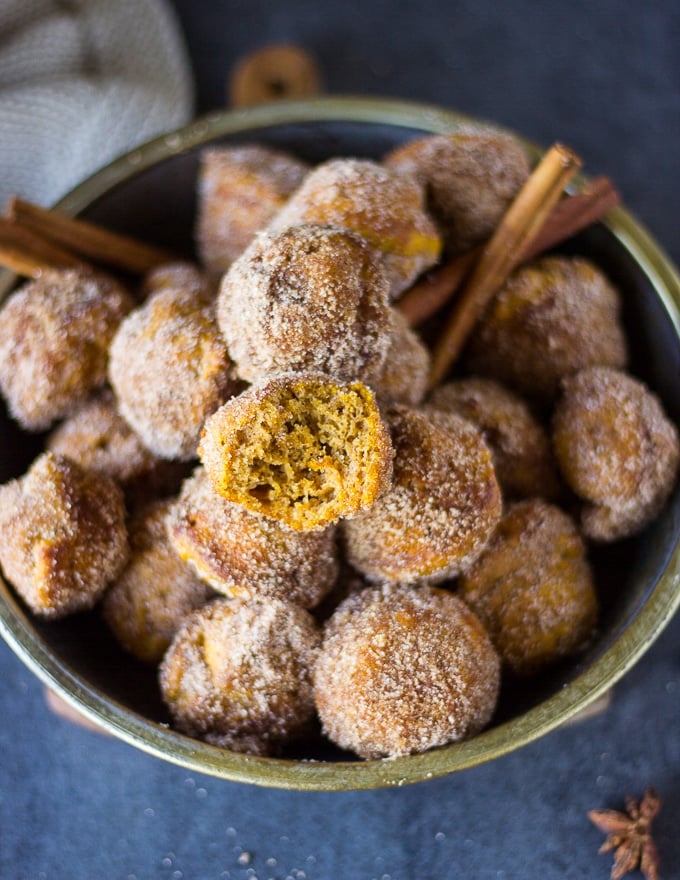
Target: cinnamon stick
x,y
572,214
25,253
569,216
87,239
514,235
436,288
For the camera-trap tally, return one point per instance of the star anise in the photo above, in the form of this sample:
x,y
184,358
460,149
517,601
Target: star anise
x,y
630,836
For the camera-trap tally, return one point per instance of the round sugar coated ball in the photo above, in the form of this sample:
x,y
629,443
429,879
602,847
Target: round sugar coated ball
x,y
616,449
62,535
240,189
170,369
98,438
403,669
238,674
313,297
155,592
471,178
443,505
533,588
550,319
245,555
54,340
384,207
403,375
181,276
520,446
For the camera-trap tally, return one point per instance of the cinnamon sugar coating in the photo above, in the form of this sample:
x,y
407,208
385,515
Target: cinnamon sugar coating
x,y
245,555
301,448
522,454
62,535
617,450
441,510
532,588
146,605
384,207
238,674
98,438
470,177
170,369
402,376
309,298
552,317
404,669
180,275
54,338
240,189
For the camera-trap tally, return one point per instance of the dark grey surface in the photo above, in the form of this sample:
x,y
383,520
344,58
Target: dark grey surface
x,y
605,78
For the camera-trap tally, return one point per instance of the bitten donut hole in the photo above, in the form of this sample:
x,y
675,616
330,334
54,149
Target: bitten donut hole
x,y
310,451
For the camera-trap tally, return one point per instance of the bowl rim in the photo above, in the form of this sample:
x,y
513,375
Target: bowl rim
x,y
158,739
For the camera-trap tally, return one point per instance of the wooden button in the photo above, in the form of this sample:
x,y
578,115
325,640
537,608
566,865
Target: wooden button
x,y
274,73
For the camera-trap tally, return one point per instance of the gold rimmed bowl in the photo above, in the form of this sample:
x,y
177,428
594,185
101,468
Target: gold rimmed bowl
x,y
150,193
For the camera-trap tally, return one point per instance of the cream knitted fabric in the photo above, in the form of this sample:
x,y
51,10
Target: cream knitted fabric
x,y
81,81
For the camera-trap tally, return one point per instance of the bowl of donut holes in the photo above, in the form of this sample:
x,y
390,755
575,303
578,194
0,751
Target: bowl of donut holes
x,y
239,532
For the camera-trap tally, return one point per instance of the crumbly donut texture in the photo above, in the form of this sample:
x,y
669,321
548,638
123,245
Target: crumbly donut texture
x,y
300,448
309,298
441,510
245,555
240,189
62,535
617,450
170,369
145,606
532,588
470,177
520,445
384,207
404,669
238,674
54,338
551,318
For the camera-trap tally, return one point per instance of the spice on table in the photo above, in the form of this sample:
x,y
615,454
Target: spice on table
x,y
630,836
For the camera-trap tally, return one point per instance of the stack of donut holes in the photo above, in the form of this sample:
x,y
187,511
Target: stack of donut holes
x,y
244,470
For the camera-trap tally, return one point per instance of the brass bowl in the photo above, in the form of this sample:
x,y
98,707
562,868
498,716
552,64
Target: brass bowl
x,y
150,193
